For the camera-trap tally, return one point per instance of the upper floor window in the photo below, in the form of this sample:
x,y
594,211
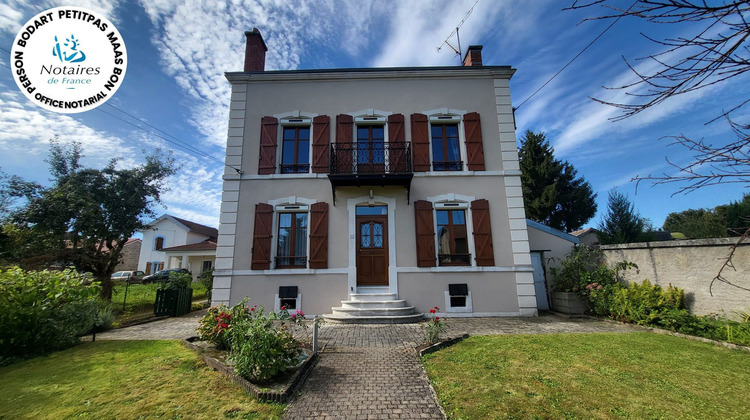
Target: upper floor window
x,y
370,148
158,243
446,154
295,156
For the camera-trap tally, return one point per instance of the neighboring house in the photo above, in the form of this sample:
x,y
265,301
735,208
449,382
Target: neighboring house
x,y
548,248
171,242
364,192
587,236
130,254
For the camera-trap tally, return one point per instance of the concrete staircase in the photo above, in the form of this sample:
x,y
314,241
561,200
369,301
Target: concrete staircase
x,y
373,306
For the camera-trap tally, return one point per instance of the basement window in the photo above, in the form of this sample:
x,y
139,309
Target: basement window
x,y
458,298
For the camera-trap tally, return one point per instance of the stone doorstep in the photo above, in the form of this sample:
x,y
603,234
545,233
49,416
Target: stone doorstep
x,y
283,396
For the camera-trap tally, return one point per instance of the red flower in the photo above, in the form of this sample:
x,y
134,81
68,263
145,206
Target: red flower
x,y
437,318
437,309
432,311
252,309
283,307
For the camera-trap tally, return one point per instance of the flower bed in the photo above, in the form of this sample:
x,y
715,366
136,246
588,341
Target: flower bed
x,y
280,389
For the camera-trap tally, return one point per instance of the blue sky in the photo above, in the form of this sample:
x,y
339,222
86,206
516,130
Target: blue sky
x,y
178,51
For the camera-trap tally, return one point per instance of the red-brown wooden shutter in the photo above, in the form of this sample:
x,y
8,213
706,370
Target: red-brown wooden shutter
x,y
474,150
148,268
480,215
161,266
344,152
425,234
321,141
420,143
267,159
319,235
397,160
344,128
262,237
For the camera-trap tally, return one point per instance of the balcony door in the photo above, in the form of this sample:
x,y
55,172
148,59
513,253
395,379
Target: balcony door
x,y
370,149
372,246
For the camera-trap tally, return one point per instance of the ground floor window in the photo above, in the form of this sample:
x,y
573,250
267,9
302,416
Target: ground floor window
x,y
453,241
291,250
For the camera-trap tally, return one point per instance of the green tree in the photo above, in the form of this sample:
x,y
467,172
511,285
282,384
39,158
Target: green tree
x,y
86,216
553,194
697,224
736,216
622,224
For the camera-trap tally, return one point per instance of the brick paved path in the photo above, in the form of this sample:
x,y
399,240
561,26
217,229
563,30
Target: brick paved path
x,y
373,371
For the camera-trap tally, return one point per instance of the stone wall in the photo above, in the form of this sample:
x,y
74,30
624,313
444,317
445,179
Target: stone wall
x,y
131,251
690,265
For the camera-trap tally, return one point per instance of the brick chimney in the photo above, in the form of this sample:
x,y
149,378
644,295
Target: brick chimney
x,y
473,56
255,51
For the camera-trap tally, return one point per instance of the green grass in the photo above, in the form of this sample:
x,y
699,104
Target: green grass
x,y
140,299
124,380
568,376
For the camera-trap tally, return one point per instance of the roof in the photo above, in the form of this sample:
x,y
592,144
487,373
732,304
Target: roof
x,y
132,240
198,228
372,73
207,245
552,231
583,231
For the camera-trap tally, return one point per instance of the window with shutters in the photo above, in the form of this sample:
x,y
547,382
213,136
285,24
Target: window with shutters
x,y
291,235
453,233
158,243
291,248
445,141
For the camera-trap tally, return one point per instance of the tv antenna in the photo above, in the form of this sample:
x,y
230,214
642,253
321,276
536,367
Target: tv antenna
x,y
458,38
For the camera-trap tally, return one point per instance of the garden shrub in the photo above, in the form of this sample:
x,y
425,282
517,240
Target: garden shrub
x,y
642,304
177,280
44,311
260,346
207,280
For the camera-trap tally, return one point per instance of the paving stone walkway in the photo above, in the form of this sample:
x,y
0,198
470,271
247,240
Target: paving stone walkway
x,y
373,371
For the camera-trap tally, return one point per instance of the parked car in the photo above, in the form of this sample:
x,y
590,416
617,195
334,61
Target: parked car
x,y
131,276
163,275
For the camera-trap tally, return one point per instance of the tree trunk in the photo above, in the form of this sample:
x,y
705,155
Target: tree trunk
x,y
106,292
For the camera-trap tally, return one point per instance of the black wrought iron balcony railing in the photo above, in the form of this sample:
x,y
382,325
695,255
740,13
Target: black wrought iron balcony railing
x,y
292,168
451,165
370,159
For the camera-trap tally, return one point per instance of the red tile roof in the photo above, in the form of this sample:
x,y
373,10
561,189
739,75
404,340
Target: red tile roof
x,y
207,245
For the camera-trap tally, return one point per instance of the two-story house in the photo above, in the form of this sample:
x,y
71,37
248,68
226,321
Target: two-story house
x,y
398,186
172,242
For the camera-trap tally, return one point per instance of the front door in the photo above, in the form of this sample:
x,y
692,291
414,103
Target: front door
x,y
372,246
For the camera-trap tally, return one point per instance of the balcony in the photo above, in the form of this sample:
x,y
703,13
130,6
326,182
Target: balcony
x,y
370,164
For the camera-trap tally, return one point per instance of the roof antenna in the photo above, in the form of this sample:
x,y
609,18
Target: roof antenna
x,y
458,38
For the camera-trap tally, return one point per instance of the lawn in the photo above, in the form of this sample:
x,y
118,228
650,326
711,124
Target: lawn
x,y
124,379
140,299
634,375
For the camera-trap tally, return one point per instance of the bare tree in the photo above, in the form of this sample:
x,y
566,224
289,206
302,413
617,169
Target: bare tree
x,y
718,50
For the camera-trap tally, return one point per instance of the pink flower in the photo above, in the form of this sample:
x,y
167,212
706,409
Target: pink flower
x,y
599,287
283,308
294,316
300,313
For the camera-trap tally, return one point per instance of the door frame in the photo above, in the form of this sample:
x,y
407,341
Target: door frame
x,y
351,206
384,249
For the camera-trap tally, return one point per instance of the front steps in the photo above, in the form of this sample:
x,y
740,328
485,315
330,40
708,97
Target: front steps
x,y
379,307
